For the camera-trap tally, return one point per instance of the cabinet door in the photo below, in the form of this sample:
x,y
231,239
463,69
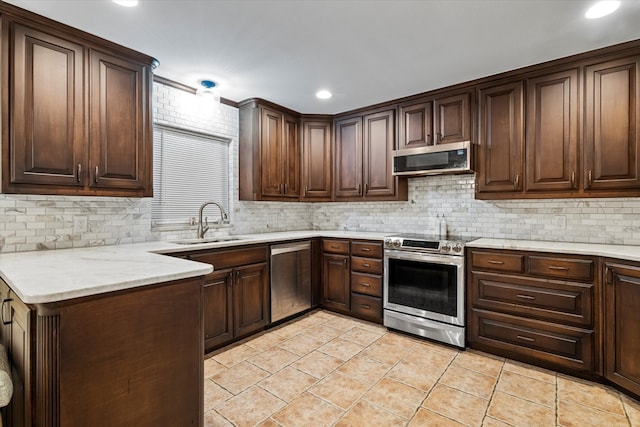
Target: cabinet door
x,y
611,128
348,158
552,131
452,119
378,143
501,139
47,142
19,351
250,299
292,159
271,150
416,125
335,282
622,346
316,163
217,307
120,124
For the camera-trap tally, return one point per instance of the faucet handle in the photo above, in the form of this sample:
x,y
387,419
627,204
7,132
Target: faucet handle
x,y
205,227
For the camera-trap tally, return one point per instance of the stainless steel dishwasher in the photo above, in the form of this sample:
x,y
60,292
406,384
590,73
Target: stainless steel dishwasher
x,y
290,279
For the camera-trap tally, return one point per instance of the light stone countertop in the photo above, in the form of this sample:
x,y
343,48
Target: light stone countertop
x,y
629,253
49,276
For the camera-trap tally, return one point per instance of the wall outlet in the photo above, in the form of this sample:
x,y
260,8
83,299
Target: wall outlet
x,y
560,221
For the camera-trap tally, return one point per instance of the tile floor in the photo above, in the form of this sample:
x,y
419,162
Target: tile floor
x,y
324,369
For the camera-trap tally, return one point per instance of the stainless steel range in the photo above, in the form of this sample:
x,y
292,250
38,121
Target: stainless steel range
x,y
424,287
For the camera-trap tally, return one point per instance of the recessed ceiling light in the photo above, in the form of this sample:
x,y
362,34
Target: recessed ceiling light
x,y
126,3
323,94
602,8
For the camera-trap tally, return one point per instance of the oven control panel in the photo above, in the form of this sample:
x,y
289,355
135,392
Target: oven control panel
x,y
450,247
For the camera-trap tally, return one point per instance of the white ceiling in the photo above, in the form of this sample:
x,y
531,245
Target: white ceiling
x,y
365,52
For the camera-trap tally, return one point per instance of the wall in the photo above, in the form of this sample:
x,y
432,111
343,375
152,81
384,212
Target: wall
x,y
55,222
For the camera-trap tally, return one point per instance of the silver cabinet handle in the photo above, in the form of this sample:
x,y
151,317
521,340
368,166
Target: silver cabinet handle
x,y
95,178
589,179
520,337
516,183
495,262
365,306
4,301
529,297
554,267
366,285
573,179
79,172
608,273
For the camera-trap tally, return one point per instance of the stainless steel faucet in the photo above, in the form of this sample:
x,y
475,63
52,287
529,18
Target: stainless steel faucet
x,y
203,228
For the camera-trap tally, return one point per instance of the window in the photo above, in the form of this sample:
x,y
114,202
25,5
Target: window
x,y
189,168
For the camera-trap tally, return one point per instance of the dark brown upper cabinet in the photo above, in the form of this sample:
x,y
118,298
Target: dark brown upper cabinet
x,y
76,120
270,152
612,92
438,120
552,132
500,139
363,150
316,160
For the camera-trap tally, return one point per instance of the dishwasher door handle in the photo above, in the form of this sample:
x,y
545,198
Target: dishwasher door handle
x,y
295,247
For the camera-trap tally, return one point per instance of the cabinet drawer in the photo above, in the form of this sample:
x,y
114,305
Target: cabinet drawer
x,y
497,261
366,307
366,265
335,246
366,249
368,284
566,268
555,301
231,258
533,340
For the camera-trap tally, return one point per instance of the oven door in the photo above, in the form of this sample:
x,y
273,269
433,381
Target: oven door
x,y
430,286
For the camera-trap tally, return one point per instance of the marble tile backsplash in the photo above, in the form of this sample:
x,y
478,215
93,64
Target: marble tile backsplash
x,y
54,222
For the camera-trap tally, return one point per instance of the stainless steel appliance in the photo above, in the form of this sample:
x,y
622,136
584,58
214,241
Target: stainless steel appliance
x,y
433,160
423,290
290,279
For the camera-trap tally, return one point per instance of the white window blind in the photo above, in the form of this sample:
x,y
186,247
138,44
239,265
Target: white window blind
x,y
189,168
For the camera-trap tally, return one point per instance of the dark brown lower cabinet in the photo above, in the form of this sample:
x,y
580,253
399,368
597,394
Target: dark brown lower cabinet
x,y
123,358
236,294
335,282
621,319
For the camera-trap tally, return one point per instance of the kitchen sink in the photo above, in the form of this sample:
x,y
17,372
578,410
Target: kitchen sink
x,y
205,240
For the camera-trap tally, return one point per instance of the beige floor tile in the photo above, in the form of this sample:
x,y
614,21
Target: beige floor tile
x,y
530,371
361,336
457,405
211,367
341,323
317,364
433,345
214,419
274,359
426,418
268,423
363,369
308,410
266,341
516,411
341,349
572,414
471,382
367,414
632,408
289,330
420,377
589,394
234,355
288,383
427,356
340,390
250,407
394,338
214,395
240,377
301,344
395,397
321,315
323,333
386,353
373,327
492,422
527,388
479,362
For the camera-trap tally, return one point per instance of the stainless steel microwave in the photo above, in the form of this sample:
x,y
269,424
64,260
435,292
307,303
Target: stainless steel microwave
x,y
433,160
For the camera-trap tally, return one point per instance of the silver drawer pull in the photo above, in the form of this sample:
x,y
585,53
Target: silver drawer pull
x,y
366,285
529,297
366,307
495,262
554,267
366,265
520,337
366,250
